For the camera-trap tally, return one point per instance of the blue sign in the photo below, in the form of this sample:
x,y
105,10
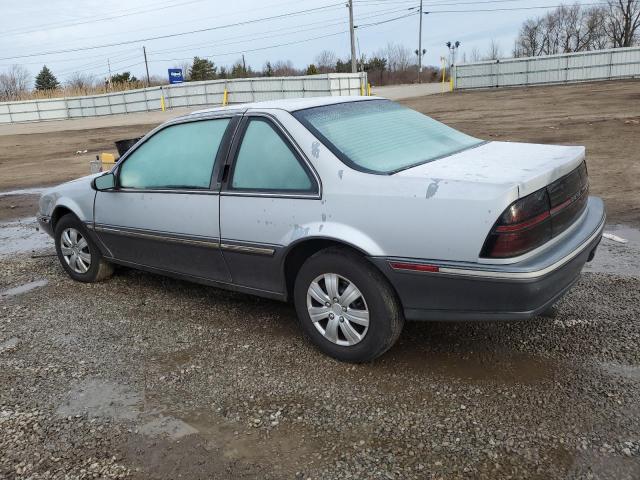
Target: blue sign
x,y
175,75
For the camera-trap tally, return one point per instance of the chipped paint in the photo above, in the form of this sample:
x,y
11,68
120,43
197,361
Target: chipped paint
x,y
432,189
299,232
315,149
340,173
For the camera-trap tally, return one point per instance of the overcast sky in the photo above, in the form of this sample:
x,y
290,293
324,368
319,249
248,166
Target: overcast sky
x,y
45,26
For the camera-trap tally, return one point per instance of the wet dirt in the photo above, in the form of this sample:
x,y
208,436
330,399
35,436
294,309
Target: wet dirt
x,y
35,159
23,235
15,206
616,257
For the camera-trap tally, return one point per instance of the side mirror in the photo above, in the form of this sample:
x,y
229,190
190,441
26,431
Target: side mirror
x,y
104,182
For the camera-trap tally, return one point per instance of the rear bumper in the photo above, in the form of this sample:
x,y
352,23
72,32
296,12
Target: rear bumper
x,y
473,291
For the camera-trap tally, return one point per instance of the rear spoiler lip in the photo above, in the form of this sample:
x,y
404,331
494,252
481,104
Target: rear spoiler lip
x,y
547,178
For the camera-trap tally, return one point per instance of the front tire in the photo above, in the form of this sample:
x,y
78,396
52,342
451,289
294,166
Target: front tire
x,y
346,307
78,254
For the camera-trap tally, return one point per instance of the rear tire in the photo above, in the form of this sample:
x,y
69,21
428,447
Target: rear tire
x,y
78,254
356,314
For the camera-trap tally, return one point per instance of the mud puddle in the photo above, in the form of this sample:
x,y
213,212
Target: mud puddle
x,y
615,257
100,398
506,368
22,236
21,289
157,423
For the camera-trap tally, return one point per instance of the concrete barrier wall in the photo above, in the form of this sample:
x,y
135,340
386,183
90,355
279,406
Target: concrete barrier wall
x,y
189,94
616,63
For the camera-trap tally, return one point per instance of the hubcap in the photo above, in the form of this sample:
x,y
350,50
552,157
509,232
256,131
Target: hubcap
x,y
75,250
338,309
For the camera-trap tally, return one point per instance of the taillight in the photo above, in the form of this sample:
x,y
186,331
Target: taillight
x,y
535,219
523,226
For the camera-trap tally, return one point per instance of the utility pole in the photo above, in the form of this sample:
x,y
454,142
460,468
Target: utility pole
x,y
244,66
109,68
353,38
146,64
420,43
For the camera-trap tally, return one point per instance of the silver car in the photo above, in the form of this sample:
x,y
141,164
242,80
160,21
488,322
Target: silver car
x,y
360,211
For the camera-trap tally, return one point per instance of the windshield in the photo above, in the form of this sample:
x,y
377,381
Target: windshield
x,y
381,136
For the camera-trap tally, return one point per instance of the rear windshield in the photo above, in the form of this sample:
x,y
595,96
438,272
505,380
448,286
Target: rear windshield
x,y
381,136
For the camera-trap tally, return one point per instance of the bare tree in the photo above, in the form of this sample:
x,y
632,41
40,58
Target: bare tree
x,y
494,52
81,81
622,22
326,61
565,29
284,68
475,55
14,83
398,57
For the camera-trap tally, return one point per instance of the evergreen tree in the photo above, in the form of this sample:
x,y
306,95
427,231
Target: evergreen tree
x,y
312,70
268,70
238,70
46,80
343,66
202,69
124,77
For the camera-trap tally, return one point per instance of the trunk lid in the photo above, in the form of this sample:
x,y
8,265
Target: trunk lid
x,y
528,166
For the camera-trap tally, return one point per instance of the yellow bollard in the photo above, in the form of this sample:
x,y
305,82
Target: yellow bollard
x,y
107,161
225,98
368,89
444,72
361,89
162,102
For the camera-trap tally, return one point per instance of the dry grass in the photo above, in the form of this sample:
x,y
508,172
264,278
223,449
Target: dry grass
x,y
72,91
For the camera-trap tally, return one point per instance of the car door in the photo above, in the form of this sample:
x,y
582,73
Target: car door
x,y
266,184
164,211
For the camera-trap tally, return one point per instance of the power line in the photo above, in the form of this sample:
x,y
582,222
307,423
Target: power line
x,y
505,9
295,42
253,36
172,35
66,24
64,60
162,26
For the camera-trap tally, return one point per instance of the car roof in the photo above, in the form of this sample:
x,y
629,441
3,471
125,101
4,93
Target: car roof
x,y
287,104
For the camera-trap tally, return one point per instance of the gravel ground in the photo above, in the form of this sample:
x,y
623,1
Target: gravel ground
x,y
148,377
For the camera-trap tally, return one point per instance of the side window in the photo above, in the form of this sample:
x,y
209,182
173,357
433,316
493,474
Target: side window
x,y
180,156
265,161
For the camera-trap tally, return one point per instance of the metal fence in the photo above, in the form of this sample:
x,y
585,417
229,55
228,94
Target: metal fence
x,y
190,94
616,63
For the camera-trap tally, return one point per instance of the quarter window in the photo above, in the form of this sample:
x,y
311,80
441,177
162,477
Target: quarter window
x,y
265,161
180,156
